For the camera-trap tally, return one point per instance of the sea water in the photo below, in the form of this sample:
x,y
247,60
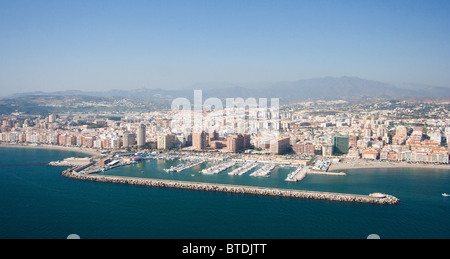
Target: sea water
x,y
36,201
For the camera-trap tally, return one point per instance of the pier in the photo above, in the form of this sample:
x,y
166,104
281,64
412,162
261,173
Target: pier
x,y
328,173
183,167
301,173
298,175
264,171
90,172
219,168
236,189
244,169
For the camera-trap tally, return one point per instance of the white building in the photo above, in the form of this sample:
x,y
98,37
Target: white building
x,y
435,136
98,144
354,153
327,150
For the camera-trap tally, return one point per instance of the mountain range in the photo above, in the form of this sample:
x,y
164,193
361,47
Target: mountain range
x,y
327,88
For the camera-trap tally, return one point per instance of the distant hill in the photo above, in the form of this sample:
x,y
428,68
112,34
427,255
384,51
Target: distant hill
x,y
328,88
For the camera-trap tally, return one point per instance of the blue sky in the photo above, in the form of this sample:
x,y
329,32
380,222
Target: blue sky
x,y
109,44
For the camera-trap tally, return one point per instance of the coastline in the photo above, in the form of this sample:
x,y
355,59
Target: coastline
x,y
346,165
90,152
362,164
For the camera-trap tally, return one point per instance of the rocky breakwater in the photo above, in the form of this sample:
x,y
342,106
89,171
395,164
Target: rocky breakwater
x,y
210,187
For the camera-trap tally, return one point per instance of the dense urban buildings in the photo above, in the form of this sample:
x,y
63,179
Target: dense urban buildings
x,y
308,129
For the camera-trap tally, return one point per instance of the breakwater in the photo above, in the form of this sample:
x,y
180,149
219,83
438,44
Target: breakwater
x,y
236,189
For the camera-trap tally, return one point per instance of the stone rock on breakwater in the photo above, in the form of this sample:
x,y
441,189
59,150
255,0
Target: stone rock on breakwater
x,y
210,187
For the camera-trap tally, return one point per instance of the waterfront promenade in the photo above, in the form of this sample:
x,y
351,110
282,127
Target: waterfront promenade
x,y
87,151
375,164
236,189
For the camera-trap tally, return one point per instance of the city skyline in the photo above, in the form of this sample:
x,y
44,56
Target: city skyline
x,y
86,45
357,131
224,119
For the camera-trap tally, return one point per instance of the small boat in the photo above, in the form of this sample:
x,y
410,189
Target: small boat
x,y
445,195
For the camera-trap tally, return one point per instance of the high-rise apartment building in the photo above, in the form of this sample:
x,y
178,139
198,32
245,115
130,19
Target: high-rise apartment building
x,y
52,118
353,141
235,143
88,142
199,140
129,140
447,135
435,136
280,146
167,141
247,141
401,134
341,144
304,148
401,131
141,135
327,150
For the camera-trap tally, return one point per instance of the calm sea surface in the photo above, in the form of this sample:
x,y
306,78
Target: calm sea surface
x,y
37,202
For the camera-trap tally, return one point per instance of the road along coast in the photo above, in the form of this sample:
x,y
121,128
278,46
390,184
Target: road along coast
x,y
236,189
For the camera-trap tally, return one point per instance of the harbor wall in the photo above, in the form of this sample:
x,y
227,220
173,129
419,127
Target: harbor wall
x,y
212,187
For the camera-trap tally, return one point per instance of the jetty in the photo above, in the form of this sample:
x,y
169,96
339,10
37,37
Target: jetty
x,y
298,175
264,171
218,168
72,162
183,167
244,169
328,173
235,189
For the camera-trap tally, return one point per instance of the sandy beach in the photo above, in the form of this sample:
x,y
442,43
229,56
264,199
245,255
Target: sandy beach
x,y
360,164
90,152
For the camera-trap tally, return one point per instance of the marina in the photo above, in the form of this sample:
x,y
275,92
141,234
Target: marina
x,y
219,165
183,167
95,172
219,168
302,172
236,189
264,171
244,169
298,175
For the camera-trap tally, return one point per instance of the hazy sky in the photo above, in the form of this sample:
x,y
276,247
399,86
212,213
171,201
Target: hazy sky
x,y
97,45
